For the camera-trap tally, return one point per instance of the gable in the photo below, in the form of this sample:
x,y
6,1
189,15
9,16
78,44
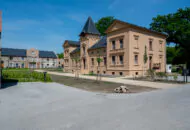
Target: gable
x,y
66,44
116,25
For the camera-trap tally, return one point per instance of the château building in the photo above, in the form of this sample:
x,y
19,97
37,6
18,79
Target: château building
x,y
121,51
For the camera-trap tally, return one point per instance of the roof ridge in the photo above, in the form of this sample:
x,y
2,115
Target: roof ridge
x,y
13,48
140,27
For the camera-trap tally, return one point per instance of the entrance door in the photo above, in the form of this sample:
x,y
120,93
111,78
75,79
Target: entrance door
x,y
32,65
22,65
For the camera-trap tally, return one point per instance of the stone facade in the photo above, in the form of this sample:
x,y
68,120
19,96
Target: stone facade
x,y
121,54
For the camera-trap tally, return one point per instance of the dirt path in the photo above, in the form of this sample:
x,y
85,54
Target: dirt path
x,y
92,85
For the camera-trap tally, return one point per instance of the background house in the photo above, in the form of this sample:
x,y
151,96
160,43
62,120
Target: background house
x,y
32,58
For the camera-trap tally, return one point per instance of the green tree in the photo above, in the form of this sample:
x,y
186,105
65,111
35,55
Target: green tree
x,y
177,27
145,55
60,55
145,58
171,54
99,60
77,60
104,23
175,55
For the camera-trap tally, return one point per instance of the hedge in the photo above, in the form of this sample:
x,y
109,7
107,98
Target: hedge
x,y
24,76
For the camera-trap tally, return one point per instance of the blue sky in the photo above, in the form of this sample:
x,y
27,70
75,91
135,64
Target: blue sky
x,y
45,24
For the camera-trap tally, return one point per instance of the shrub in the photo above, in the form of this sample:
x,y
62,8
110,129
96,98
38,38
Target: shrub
x,y
151,73
161,74
91,73
175,76
25,76
180,71
174,70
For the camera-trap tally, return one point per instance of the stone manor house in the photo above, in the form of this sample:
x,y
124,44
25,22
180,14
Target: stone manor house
x,y
121,51
32,58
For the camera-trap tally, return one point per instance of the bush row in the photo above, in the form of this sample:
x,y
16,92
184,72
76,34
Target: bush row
x,y
25,76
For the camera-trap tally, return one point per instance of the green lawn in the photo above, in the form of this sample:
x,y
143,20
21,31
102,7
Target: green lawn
x,y
23,75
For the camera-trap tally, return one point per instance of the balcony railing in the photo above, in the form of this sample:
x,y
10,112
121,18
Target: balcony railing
x,y
120,50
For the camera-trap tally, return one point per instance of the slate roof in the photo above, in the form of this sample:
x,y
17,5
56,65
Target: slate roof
x,y
13,52
90,27
76,50
74,43
100,44
47,54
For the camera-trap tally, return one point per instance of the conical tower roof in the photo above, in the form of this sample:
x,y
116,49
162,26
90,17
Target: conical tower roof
x,y
90,27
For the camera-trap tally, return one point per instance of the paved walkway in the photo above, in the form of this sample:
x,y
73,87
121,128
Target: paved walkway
x,y
52,106
120,80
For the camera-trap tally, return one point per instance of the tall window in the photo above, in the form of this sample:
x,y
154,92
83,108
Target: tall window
x,y
121,59
84,63
113,45
161,45
150,45
10,57
84,52
136,59
105,61
113,60
136,37
92,61
150,62
121,43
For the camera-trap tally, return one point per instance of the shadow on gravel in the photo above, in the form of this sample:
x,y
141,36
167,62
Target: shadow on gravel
x,y
8,83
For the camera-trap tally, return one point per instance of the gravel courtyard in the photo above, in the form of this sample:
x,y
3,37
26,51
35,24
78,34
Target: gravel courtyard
x,y
53,106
